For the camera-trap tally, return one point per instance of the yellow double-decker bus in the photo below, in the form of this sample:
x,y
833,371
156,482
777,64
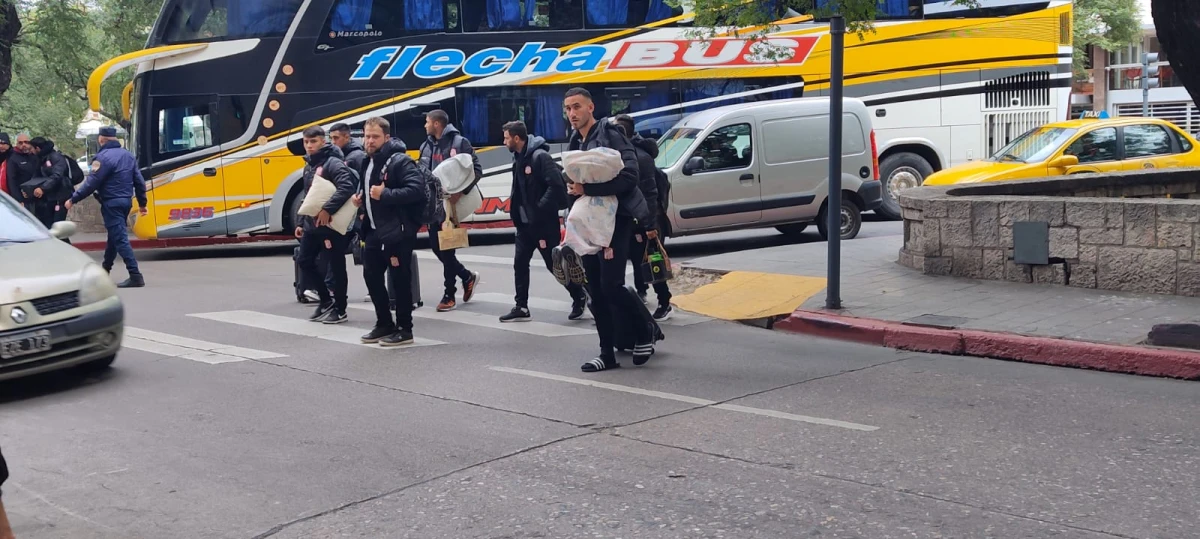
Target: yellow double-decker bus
x,y
224,87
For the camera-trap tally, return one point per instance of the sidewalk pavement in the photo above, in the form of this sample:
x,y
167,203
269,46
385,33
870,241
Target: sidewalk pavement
x,y
887,304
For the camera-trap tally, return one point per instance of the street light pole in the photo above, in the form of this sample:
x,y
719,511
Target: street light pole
x,y
833,212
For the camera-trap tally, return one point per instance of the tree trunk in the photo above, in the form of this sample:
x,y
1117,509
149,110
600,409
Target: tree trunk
x,y
1177,23
10,26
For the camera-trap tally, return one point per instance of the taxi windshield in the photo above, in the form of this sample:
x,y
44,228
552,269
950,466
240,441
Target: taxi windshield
x,y
1034,146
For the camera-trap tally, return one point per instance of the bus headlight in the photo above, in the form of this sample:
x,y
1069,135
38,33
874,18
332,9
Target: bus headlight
x,y
95,285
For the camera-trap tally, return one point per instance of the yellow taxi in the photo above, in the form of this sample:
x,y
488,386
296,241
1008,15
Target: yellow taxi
x,y
1081,146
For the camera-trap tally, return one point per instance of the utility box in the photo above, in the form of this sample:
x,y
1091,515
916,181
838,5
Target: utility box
x,y
1031,242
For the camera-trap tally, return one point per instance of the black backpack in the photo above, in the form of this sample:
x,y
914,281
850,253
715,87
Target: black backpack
x,y
77,175
664,188
433,210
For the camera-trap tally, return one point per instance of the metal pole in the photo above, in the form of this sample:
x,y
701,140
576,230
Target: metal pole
x,y
1145,85
833,290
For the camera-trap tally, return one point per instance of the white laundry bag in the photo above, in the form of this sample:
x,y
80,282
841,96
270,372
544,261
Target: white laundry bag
x,y
591,220
456,173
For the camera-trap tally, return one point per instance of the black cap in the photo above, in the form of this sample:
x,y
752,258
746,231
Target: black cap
x,y
4,138
108,131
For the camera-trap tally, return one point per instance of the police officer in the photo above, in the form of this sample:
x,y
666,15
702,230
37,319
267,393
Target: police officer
x,y
116,178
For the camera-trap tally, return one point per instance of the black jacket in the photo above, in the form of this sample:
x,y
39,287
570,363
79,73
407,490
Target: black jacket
x,y
53,164
3,470
631,203
329,160
646,151
355,156
537,194
22,167
397,213
433,152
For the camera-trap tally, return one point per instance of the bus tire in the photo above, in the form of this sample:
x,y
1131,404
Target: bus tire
x,y
292,218
900,171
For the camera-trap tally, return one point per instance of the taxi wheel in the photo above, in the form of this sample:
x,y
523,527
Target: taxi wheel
x,y
900,171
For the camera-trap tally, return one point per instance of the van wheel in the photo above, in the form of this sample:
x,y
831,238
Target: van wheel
x,y
851,220
900,171
792,229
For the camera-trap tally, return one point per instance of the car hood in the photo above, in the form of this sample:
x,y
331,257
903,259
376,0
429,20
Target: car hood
x,y
40,268
981,171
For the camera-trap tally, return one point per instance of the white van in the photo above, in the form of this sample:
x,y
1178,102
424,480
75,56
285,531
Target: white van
x,y
766,164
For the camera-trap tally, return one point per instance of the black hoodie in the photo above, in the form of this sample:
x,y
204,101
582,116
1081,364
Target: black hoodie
x,y
328,160
538,189
53,164
647,150
396,216
433,152
630,202
355,156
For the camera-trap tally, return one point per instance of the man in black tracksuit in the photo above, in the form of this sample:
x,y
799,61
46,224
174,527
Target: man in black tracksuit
x,y
325,160
391,216
646,150
606,270
538,192
444,142
355,157
22,167
49,206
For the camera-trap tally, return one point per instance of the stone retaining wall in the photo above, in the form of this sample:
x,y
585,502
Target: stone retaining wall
x,y
1147,245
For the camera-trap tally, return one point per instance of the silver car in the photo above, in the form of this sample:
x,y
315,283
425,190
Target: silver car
x,y
58,307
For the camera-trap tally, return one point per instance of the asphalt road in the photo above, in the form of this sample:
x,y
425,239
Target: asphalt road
x,y
227,415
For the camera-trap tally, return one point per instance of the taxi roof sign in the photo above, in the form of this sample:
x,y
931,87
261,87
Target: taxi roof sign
x,y
1101,115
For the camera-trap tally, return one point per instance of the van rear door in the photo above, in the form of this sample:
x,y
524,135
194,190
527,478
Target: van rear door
x,y
725,191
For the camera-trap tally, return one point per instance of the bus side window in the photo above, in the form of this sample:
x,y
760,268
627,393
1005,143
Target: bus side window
x,y
889,9
504,15
628,13
363,21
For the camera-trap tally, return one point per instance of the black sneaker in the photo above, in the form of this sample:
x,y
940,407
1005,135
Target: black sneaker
x,y
663,312
517,314
377,335
577,308
398,338
335,316
321,311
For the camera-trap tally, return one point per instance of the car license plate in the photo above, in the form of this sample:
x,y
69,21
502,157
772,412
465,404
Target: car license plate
x,y
24,344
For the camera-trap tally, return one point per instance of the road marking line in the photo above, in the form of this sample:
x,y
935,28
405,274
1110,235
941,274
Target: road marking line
x,y
689,400
296,326
540,329
679,319
184,342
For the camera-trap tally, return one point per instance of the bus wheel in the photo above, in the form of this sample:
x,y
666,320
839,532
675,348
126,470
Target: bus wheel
x,y
900,171
851,220
293,211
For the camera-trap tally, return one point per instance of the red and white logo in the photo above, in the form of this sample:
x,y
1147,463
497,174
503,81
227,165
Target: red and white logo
x,y
721,52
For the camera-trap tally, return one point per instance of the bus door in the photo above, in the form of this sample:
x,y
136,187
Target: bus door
x,y
190,195
241,169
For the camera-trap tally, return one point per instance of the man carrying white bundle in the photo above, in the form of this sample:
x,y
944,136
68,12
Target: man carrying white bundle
x,y
605,270
325,160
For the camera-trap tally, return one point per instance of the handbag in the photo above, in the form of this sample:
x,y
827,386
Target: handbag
x,y
656,265
451,236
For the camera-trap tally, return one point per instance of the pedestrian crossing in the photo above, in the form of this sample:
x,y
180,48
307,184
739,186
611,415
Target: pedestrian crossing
x,y
299,326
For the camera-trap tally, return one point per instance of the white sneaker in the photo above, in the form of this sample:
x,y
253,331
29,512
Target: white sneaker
x,y
312,295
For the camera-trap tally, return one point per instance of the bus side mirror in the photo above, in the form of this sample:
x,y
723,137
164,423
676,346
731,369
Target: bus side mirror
x,y
693,165
1064,161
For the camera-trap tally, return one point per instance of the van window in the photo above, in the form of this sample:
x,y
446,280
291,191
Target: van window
x,y
806,138
726,148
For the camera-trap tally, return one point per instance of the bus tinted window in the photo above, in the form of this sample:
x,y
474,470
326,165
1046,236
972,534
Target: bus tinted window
x,y
199,20
891,9
363,21
500,15
184,129
627,13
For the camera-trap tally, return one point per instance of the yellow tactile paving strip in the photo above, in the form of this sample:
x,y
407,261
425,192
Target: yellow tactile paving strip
x,y
747,295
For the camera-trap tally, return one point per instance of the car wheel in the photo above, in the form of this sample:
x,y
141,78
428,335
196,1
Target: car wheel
x,y
792,229
851,221
899,172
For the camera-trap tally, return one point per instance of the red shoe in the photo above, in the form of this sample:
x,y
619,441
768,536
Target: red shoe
x,y
447,304
469,286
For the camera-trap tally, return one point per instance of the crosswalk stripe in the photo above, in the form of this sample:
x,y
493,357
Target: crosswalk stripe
x,y
490,321
485,259
680,318
296,326
175,346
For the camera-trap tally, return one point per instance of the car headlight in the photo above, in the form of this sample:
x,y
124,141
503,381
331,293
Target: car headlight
x,y
95,285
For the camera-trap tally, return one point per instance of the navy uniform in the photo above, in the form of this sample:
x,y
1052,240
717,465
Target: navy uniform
x,y
116,179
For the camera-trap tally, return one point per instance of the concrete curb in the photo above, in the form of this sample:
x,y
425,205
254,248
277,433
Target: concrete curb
x,y
1042,350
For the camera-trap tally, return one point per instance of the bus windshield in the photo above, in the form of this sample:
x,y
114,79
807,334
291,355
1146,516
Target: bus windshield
x,y
203,20
673,144
1034,146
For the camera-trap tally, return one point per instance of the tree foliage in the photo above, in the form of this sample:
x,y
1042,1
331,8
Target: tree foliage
x,y
1108,24
1178,25
59,44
